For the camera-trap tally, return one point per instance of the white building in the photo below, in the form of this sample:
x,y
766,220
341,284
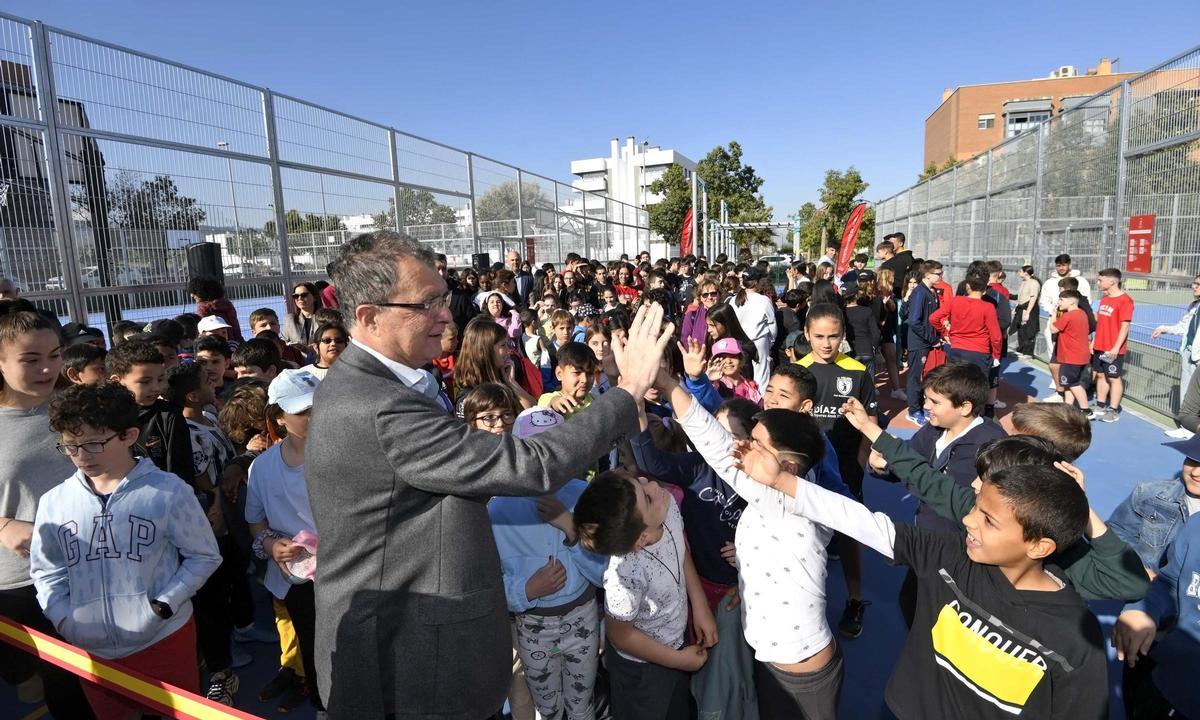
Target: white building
x,y
628,171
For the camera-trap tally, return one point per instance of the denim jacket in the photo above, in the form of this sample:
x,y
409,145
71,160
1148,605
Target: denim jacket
x,y
1150,518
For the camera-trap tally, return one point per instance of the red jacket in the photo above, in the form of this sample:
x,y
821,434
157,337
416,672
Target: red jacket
x,y
973,324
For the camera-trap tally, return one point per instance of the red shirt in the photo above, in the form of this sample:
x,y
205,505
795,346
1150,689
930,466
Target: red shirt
x,y
1073,338
1112,312
973,324
942,290
626,293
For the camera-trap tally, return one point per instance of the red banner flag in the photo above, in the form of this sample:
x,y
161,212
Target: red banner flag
x,y
849,237
685,238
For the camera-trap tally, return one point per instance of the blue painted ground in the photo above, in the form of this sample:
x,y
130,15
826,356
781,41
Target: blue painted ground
x,y
1122,454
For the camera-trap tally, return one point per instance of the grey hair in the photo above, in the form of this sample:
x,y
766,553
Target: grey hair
x,y
366,270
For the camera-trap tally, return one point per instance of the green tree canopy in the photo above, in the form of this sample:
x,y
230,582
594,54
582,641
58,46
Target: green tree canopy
x,y
420,208
154,204
500,201
932,169
726,178
295,222
837,196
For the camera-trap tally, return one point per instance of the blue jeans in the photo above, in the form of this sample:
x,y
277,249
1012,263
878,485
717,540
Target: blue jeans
x,y
916,372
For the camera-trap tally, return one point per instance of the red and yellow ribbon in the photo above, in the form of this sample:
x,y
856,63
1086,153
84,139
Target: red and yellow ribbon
x,y
163,698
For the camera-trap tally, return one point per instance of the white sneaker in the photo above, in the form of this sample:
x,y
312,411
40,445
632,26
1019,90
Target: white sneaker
x,y
31,692
1054,398
900,395
1179,434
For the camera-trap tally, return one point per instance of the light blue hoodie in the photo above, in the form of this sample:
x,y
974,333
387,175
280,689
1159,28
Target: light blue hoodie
x,y
526,543
97,568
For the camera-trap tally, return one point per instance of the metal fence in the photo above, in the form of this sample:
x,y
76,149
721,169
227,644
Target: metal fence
x,y
1070,185
113,162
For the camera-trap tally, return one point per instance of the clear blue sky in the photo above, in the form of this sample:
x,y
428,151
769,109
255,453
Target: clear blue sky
x,y
537,84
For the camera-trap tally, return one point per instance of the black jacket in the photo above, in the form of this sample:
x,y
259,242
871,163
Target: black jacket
x,y
167,440
957,461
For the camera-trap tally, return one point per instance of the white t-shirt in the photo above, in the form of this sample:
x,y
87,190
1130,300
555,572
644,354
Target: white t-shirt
x,y
211,450
535,350
756,316
277,494
317,372
1193,504
647,587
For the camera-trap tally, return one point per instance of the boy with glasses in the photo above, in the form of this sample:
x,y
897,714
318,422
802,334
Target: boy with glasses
x,y
120,547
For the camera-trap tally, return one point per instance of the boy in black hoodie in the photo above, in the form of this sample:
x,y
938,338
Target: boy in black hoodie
x,y
140,368
997,632
955,394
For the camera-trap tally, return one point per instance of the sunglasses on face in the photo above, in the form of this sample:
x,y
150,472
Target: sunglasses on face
x,y
709,294
300,296
333,341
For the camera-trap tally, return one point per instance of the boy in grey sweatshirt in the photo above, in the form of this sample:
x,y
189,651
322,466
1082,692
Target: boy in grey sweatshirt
x,y
120,547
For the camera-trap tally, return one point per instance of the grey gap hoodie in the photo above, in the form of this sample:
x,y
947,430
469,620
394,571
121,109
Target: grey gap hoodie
x,y
96,567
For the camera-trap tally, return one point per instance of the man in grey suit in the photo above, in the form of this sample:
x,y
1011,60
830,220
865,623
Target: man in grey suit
x,y
411,615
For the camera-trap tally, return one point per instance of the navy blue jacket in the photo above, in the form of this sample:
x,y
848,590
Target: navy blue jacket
x,y
921,304
957,461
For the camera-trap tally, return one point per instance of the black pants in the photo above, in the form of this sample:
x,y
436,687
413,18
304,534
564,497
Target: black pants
x,y
1027,333
908,598
916,373
645,691
215,608
64,696
788,696
302,606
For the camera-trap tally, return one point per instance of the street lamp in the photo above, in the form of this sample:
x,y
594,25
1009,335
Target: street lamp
x,y
237,226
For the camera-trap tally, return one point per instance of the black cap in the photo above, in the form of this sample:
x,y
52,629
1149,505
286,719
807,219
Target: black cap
x,y
74,333
752,275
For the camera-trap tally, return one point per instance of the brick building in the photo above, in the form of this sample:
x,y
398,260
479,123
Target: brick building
x,y
973,118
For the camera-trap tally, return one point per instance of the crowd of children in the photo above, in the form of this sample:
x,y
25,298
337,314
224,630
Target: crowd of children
x,y
148,483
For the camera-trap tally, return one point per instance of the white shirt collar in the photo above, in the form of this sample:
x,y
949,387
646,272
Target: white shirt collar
x,y
413,378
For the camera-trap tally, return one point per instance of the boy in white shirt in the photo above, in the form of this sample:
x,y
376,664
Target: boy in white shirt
x,y
650,584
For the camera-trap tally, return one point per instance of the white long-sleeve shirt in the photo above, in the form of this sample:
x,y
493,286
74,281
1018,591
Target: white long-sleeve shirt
x,y
1050,291
756,316
781,556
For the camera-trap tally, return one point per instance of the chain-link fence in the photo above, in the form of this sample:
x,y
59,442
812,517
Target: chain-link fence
x,y
1071,185
113,162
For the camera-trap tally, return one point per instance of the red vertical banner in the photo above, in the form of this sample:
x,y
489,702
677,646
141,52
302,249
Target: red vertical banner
x,y
849,237
685,238
1141,240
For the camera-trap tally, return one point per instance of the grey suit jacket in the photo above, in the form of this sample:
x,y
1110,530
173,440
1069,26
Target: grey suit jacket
x,y
411,616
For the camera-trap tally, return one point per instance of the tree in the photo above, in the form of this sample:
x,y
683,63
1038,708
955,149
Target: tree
x,y
154,204
838,196
306,223
420,208
932,169
500,202
667,215
726,179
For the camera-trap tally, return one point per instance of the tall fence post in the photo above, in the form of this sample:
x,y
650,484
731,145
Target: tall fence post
x,y
396,190
953,239
1037,252
520,217
557,226
1111,243
285,257
474,215
60,195
987,202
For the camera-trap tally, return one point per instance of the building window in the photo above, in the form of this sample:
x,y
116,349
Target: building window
x,y
987,122
1016,123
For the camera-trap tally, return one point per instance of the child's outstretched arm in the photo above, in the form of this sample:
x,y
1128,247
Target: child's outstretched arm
x,y
938,490
834,511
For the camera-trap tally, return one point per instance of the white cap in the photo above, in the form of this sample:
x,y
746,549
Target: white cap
x,y
292,390
211,322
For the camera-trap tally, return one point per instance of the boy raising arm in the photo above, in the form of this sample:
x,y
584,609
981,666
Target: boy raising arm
x,y
996,633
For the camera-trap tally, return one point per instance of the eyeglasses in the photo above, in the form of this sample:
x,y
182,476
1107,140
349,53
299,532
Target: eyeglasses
x,y
710,294
507,418
300,296
440,302
92,448
333,341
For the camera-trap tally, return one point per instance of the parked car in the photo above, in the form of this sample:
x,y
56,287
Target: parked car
x,y
90,277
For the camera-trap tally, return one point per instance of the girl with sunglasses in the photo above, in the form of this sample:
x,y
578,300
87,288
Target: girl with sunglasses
x,y
328,343
299,326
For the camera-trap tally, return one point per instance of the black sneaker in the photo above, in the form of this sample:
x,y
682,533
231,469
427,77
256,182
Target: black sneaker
x,y
295,696
222,686
283,680
851,624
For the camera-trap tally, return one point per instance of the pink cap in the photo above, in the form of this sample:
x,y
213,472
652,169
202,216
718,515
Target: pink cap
x,y
726,346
